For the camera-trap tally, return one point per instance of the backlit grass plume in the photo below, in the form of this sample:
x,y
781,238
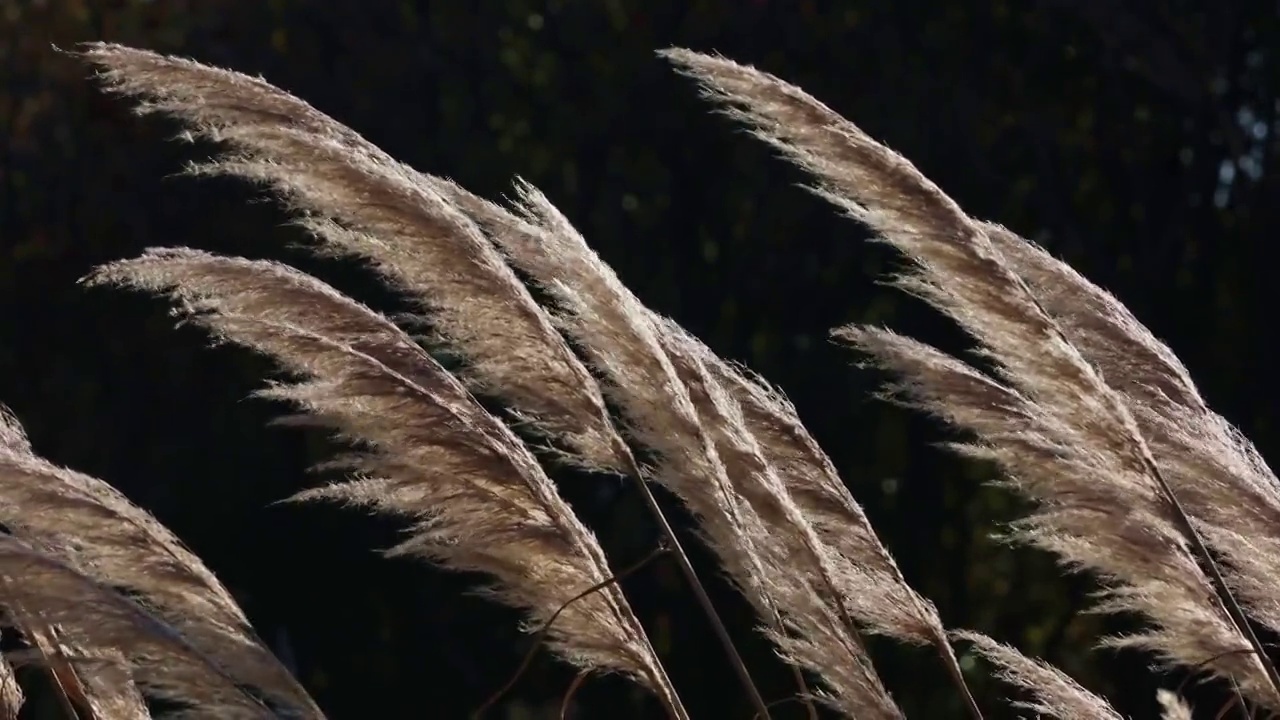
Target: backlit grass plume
x,y
865,574
1217,473
358,201
115,642
1047,414
432,239
476,497
1052,692
1134,478
655,374
91,526
83,522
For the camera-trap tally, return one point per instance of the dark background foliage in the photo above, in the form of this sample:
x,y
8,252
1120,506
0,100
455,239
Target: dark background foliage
x,y
1133,139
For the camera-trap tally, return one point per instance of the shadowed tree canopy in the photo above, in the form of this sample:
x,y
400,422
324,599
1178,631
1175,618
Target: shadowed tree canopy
x,y
1133,140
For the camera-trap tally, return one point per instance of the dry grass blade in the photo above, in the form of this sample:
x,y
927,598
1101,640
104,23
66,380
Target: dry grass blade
x,y
92,616
360,202
430,452
91,526
1084,426
1055,695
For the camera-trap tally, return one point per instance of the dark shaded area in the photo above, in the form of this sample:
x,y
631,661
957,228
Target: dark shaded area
x,y
1133,139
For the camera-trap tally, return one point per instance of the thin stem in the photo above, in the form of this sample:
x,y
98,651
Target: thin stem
x,y
61,691
546,627
674,705
573,690
957,675
53,660
838,601
1225,595
682,558
1182,686
940,642
805,696
783,701
1226,708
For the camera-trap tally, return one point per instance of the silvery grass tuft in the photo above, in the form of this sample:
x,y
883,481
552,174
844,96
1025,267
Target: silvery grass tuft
x,y
1135,479
75,548
1085,410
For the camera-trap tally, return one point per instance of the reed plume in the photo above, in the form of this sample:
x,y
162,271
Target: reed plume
x,y
1053,693
1063,436
1217,473
1083,410
89,525
424,235
476,497
792,575
98,626
357,201
655,375
431,239
868,579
